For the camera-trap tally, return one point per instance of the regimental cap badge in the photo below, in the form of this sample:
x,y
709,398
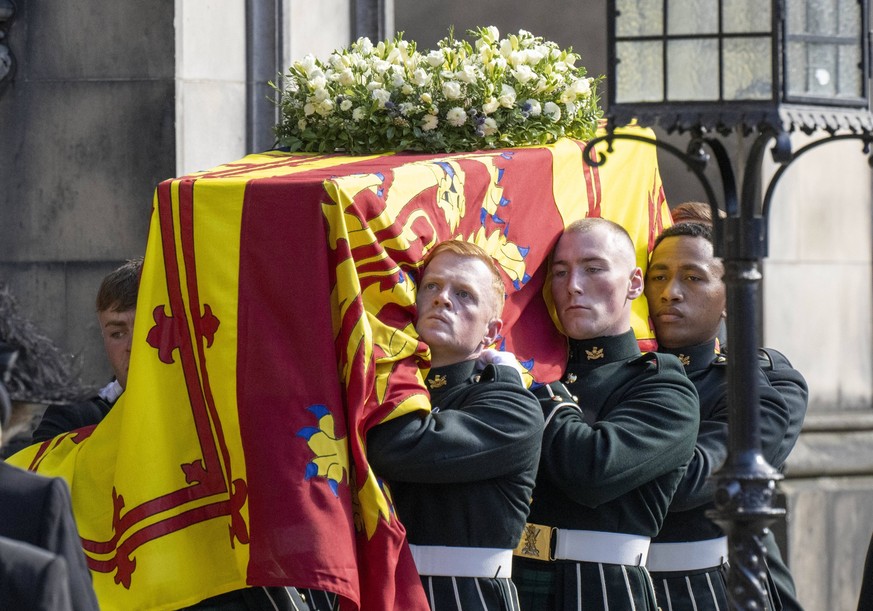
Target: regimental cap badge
x,y
438,381
685,360
594,354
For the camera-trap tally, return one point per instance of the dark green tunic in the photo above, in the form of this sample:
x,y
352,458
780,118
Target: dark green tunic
x,y
463,475
781,418
612,466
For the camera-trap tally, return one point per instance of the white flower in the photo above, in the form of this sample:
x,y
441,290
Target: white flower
x,y
358,114
570,109
406,108
345,104
452,90
429,123
397,80
506,48
523,74
420,77
492,33
346,77
516,58
301,124
435,58
490,105
365,45
324,108
456,116
426,98
320,95
489,126
500,63
308,108
467,74
534,107
381,96
560,67
407,89
507,96
552,110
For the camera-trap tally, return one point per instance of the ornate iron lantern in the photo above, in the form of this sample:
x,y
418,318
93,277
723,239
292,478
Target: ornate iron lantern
x,y
762,69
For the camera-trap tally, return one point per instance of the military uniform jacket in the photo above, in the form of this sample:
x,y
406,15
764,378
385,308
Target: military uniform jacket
x,y
783,406
462,476
611,464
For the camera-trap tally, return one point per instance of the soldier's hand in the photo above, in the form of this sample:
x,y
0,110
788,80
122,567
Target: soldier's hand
x,y
489,356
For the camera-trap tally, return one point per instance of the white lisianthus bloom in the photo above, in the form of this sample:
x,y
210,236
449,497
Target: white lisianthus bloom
x,y
429,123
452,90
490,105
456,116
420,77
397,80
426,98
320,95
535,108
552,110
435,58
489,126
467,74
358,114
301,124
324,108
523,74
345,105
507,96
381,96
308,108
347,77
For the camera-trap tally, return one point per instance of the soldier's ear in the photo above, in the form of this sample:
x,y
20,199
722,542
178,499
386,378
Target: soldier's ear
x,y
492,331
635,284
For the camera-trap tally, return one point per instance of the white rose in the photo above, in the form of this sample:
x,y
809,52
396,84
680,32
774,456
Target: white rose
x,y
381,96
535,108
507,96
452,90
420,77
581,87
456,116
490,105
523,74
429,123
467,74
489,126
435,58
347,77
345,105
552,110
358,114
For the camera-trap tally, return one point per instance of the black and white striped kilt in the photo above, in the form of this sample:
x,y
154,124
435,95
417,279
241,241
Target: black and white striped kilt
x,y
470,593
704,590
565,585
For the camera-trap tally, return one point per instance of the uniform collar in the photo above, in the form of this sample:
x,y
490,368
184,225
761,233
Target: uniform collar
x,y
602,350
695,358
440,379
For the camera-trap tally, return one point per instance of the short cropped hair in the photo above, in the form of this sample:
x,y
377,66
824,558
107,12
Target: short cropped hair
x,y
119,288
588,224
691,230
468,249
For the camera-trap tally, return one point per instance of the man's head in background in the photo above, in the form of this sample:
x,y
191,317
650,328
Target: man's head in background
x,y
116,308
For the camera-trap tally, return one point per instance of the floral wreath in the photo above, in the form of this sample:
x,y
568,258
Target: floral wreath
x,y
493,93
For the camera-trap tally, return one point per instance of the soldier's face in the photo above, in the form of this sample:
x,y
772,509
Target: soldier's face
x,y
117,330
593,284
456,308
685,292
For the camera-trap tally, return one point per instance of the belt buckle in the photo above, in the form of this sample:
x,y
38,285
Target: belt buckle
x,y
536,542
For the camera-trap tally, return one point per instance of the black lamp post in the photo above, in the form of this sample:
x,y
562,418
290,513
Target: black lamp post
x,y
762,69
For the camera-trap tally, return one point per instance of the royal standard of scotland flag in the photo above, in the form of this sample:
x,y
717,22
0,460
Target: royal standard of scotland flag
x,y
274,327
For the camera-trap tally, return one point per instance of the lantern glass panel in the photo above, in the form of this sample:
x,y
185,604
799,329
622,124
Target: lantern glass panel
x,y
639,18
639,73
692,17
747,65
743,16
692,70
849,83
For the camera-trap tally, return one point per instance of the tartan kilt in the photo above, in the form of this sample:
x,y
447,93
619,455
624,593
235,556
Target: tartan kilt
x,y
703,590
582,586
469,593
